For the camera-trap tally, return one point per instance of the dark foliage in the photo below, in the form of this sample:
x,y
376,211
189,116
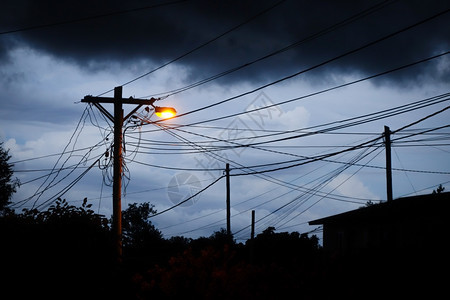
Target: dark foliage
x,y
143,244
65,252
49,253
138,231
218,268
8,184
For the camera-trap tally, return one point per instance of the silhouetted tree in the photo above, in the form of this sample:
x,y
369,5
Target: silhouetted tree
x,y
143,244
439,189
8,185
138,230
215,267
65,248
221,238
268,231
284,248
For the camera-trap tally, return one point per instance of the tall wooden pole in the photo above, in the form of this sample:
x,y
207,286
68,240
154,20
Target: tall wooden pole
x,y
118,119
227,172
252,235
117,173
387,142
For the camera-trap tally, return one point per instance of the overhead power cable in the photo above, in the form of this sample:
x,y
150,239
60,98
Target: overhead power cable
x,y
201,45
313,159
341,124
72,167
233,163
422,119
396,110
178,168
301,199
325,156
68,187
422,132
361,166
327,30
187,199
81,123
334,188
392,111
300,97
304,193
367,45
50,155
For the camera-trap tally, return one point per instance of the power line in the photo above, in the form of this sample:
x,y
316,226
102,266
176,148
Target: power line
x,y
301,97
81,122
422,132
55,171
339,185
178,168
314,191
201,45
144,141
67,188
310,192
187,199
321,157
367,45
368,118
422,119
49,155
353,162
303,159
329,29
255,173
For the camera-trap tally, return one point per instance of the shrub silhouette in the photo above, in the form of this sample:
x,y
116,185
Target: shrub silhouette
x,y
52,251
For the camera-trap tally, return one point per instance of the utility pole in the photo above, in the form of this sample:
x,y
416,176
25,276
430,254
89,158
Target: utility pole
x,y
252,235
252,239
117,173
118,120
227,172
387,142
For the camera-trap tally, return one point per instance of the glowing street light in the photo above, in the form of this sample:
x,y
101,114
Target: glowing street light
x,y
165,112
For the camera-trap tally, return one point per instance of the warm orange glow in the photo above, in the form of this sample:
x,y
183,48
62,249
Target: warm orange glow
x,y
165,112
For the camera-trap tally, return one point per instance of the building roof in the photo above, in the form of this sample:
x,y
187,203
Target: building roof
x,y
426,207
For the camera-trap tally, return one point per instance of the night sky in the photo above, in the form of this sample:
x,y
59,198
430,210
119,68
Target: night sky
x,y
292,94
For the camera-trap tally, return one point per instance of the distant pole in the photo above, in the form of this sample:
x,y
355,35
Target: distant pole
x,y
227,172
252,239
117,180
387,142
252,236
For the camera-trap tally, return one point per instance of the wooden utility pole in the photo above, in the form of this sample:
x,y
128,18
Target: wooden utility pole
x,y
252,239
227,172
118,120
387,142
117,173
252,235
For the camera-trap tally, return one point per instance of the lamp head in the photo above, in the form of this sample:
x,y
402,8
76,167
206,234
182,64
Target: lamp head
x,y
165,112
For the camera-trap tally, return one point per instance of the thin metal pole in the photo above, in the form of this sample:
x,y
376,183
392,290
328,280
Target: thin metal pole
x,y
252,235
117,180
227,170
387,141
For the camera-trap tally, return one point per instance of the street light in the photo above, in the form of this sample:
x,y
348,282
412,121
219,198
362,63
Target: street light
x,y
165,112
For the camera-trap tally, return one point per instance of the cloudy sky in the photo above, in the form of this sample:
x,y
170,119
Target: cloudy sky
x,y
294,95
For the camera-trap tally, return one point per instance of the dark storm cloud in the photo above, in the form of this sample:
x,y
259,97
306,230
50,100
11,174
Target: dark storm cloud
x,y
163,33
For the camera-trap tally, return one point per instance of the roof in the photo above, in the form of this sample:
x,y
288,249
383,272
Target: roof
x,y
424,206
